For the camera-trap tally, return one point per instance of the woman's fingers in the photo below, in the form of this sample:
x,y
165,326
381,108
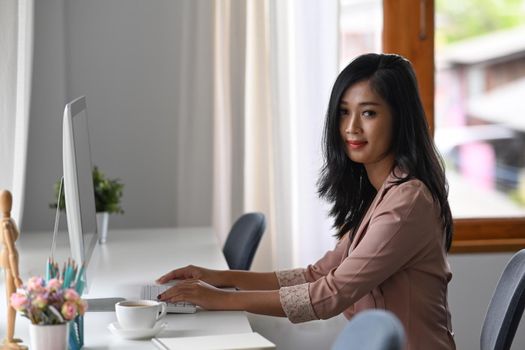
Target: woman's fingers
x,y
180,273
181,292
168,277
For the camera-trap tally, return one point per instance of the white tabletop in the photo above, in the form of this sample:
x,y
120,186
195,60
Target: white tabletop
x,y
129,259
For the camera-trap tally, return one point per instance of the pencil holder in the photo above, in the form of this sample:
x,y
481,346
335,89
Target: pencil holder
x,y
76,333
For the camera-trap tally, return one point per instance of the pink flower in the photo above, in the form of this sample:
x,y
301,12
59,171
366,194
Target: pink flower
x,y
35,284
47,302
39,301
71,295
19,301
54,284
69,310
82,306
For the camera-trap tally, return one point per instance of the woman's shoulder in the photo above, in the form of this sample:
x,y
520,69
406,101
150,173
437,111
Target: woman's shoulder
x,y
412,189
405,201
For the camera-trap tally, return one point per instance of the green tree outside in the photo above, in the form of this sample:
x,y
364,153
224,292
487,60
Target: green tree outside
x,y
461,19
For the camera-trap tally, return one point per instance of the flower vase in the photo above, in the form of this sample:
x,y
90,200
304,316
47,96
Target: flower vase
x,y
49,337
102,226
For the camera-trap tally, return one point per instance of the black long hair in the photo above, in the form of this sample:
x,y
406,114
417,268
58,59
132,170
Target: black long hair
x,y
343,182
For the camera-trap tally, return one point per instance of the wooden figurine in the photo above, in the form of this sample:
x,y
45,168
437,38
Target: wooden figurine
x,y
9,262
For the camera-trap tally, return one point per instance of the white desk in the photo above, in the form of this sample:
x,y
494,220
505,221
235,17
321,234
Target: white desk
x,y
129,259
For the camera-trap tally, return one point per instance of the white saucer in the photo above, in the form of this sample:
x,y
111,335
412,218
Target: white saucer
x,y
147,333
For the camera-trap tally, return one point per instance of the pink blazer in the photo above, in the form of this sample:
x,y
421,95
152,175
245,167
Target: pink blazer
x,y
397,261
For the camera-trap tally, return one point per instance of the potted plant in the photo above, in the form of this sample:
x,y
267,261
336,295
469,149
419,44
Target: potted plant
x,y
108,193
51,306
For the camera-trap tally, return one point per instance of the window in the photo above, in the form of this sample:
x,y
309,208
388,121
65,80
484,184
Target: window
x,y
482,152
480,76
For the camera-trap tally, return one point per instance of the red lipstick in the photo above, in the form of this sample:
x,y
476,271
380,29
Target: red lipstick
x,y
356,144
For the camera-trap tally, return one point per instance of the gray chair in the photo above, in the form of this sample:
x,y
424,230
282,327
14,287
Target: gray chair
x,y
371,330
506,306
243,240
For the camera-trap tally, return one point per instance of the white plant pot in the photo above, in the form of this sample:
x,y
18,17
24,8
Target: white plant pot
x,y
48,337
102,226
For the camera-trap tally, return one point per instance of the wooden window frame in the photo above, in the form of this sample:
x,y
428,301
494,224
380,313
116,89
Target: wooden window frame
x,y
408,30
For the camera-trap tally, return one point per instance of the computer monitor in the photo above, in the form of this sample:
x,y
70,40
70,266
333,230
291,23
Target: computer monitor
x,y
78,182
80,195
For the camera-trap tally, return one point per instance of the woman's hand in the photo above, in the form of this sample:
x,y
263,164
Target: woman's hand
x,y
199,293
210,298
192,272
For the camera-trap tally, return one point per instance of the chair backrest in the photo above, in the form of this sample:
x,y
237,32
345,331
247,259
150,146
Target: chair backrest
x,y
371,330
243,240
506,306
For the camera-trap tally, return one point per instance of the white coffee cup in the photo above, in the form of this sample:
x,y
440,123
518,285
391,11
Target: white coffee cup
x,y
139,314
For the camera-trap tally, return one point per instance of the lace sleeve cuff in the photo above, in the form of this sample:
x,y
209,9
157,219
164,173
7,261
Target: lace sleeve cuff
x,y
296,304
290,277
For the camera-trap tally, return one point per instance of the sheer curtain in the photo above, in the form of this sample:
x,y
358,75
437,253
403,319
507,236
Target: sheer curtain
x,y
304,51
275,62
16,43
228,93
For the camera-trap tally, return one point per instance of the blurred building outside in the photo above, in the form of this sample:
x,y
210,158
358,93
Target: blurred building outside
x,y
480,123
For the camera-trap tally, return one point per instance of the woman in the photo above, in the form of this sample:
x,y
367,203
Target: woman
x,y
388,191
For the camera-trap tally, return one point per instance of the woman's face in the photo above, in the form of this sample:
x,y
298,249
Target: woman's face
x,y
366,126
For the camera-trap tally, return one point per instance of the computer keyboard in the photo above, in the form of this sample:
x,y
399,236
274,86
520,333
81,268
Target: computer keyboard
x,y
150,292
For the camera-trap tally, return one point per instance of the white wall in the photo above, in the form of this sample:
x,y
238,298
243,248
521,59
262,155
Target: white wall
x,y
145,67
44,157
474,280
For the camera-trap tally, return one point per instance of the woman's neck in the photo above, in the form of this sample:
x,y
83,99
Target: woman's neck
x,y
378,172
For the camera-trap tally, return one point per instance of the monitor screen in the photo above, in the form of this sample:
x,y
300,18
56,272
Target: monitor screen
x,y
78,182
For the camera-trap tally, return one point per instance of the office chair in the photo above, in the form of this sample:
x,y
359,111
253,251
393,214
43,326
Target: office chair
x,y
371,330
506,306
243,240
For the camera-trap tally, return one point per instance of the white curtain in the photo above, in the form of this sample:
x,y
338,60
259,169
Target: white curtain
x,y
290,62
303,51
222,130
16,45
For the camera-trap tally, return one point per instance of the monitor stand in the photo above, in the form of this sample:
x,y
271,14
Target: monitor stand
x,y
102,304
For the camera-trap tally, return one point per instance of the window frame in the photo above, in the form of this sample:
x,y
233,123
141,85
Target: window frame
x,y
414,39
